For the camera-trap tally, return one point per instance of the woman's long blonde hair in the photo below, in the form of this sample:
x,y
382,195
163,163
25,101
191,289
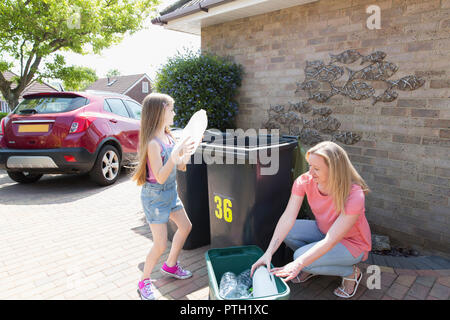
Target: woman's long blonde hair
x,y
341,174
152,120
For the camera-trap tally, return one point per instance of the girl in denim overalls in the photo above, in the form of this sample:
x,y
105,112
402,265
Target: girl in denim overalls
x,y
156,172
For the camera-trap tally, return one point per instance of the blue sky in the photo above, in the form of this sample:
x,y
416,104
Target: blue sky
x,y
144,52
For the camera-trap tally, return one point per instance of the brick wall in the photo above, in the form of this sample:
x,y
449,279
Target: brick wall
x,y
136,92
404,151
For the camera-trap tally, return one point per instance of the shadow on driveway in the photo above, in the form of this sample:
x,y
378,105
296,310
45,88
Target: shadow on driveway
x,y
51,189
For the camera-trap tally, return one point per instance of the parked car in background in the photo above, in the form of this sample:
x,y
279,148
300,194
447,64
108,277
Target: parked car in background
x,y
70,132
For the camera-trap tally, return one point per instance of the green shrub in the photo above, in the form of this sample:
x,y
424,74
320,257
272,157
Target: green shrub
x,y
201,81
3,114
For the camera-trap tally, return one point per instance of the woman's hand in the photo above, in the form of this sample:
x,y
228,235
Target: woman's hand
x,y
289,271
264,260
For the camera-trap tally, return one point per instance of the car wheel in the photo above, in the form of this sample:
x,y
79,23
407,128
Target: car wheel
x,y
24,177
107,166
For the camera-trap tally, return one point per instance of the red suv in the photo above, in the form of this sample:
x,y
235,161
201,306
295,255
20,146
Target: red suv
x,y
70,132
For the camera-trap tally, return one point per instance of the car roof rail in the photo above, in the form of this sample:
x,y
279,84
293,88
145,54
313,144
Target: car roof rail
x,y
110,93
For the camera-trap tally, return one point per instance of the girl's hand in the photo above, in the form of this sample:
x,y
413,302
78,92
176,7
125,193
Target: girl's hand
x,y
182,151
263,261
289,271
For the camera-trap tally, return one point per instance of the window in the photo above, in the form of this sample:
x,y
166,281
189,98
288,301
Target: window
x,y
118,107
145,87
49,104
106,107
135,108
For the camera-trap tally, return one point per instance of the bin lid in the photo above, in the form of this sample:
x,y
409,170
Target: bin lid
x,y
245,147
248,143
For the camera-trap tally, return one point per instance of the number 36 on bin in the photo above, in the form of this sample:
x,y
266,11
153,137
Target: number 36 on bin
x,y
223,208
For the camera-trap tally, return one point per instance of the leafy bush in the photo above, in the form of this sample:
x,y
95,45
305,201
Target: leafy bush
x,y
3,114
201,81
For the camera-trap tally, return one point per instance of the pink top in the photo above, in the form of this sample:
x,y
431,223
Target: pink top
x,y
358,239
150,176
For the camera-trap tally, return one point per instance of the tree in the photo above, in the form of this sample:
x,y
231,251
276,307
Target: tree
x,y
32,31
113,73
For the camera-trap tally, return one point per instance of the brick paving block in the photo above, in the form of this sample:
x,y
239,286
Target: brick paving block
x,y
440,292
313,290
444,281
327,293
387,279
419,291
183,291
444,273
406,272
199,294
397,291
388,297
427,281
323,281
428,273
373,294
406,280
387,269
408,297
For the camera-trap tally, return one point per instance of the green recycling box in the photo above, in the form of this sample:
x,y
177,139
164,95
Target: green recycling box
x,y
236,260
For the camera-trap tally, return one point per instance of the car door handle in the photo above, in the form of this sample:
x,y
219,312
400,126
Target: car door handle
x,y
113,120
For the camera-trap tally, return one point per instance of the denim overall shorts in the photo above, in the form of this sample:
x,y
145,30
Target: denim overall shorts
x,y
159,200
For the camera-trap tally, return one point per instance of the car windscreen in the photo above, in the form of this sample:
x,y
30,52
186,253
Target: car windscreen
x,y
50,105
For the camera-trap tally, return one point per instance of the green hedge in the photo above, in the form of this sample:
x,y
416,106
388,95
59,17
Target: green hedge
x,y
201,81
3,114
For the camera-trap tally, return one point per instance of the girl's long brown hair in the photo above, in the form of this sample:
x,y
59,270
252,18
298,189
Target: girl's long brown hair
x,y
341,173
152,119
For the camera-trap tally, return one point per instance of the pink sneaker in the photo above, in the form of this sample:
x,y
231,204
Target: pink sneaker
x,y
176,271
145,290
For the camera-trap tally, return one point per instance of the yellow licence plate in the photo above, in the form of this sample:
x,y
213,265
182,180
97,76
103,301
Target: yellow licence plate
x,y
33,128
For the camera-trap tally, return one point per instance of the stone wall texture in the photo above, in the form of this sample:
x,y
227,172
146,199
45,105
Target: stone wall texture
x,y
404,151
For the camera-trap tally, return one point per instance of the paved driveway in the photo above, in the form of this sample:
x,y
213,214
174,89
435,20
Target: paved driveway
x,y
66,238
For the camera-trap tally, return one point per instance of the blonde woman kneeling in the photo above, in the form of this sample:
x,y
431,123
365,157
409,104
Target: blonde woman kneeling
x,y
339,238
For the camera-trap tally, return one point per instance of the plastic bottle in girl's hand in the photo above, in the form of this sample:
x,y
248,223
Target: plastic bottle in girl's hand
x,y
195,128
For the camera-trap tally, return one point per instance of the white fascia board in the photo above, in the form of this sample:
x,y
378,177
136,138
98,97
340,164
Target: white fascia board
x,y
228,12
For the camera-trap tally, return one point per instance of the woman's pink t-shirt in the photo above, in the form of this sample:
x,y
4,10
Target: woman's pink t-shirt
x,y
358,239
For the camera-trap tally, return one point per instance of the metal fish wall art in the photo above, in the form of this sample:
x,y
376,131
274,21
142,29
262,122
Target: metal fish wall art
x,y
376,71
346,57
346,137
322,96
312,69
357,90
301,107
310,136
310,85
326,124
387,96
319,75
316,70
407,83
324,111
376,56
276,108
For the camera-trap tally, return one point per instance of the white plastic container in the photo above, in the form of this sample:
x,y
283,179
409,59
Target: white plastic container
x,y
263,283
